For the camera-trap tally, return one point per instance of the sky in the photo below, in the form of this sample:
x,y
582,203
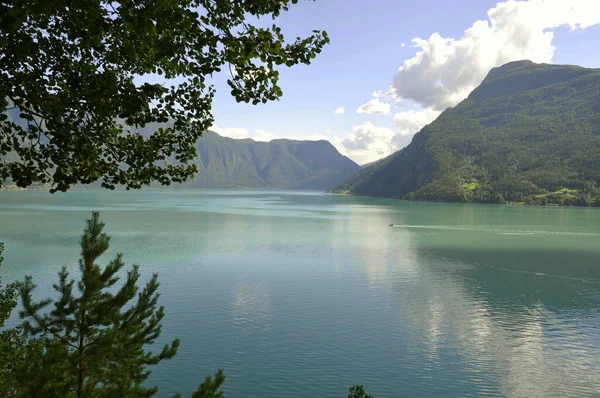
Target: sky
x,y
394,65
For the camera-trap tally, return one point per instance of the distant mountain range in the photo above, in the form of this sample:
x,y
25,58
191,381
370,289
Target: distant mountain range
x,y
244,163
283,164
279,164
529,133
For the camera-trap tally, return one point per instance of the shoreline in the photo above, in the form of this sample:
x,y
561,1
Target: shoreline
x,y
348,193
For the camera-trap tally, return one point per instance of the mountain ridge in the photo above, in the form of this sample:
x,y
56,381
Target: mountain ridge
x,y
225,162
529,133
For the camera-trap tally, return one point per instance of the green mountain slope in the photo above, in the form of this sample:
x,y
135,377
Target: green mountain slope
x,y
286,164
361,177
529,133
280,164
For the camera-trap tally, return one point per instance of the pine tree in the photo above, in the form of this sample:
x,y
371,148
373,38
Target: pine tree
x,y
16,350
8,301
7,296
357,391
95,337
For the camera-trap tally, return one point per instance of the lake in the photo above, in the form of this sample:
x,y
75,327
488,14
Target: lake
x,y
298,294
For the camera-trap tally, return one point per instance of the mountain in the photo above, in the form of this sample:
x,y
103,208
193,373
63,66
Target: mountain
x,y
285,164
280,164
529,133
364,166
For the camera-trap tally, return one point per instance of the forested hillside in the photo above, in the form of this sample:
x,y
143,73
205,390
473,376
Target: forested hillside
x,y
287,164
529,133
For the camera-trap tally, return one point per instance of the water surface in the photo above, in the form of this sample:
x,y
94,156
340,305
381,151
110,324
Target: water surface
x,y
300,294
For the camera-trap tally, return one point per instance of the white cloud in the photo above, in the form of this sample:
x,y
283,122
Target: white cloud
x,y
410,122
446,70
367,143
231,132
374,107
340,111
388,95
262,135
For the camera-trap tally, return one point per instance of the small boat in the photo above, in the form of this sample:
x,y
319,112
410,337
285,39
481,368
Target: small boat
x,y
391,225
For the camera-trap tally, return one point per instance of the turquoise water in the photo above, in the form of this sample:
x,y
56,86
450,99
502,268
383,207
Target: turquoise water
x,y
298,294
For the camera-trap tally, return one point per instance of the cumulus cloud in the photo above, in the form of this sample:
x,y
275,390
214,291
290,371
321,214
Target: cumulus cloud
x,y
410,122
231,132
262,135
390,94
374,107
367,143
340,111
446,70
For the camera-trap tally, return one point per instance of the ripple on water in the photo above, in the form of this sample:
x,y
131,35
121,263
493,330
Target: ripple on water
x,y
304,294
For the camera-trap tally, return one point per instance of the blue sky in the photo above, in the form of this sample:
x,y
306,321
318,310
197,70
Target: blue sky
x,y
372,39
